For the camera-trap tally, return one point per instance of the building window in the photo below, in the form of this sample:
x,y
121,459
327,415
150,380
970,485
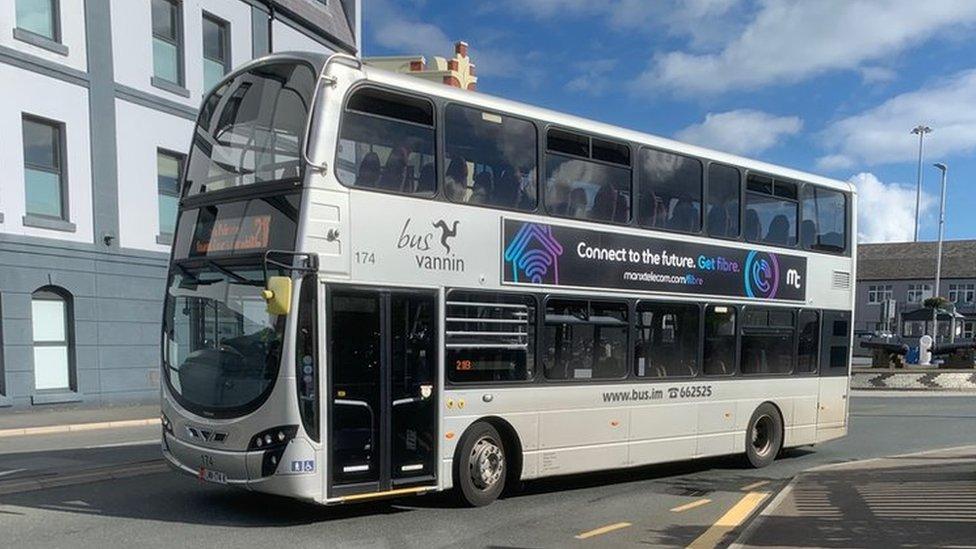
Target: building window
x,y
169,165
722,217
216,50
670,191
51,325
962,293
167,32
968,329
587,177
879,293
667,339
771,211
39,17
918,293
43,168
585,340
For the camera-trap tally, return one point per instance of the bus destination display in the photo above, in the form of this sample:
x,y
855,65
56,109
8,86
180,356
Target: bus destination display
x,y
540,253
234,235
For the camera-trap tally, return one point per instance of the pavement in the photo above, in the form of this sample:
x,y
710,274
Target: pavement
x,y
924,499
703,503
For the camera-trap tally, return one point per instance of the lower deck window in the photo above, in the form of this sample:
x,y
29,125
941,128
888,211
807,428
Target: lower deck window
x,y
667,340
767,341
719,345
490,337
585,340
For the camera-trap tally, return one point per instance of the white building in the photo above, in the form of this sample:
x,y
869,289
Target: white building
x,y
97,108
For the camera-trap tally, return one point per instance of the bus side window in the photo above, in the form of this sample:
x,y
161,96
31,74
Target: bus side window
x,y
766,344
387,143
490,337
808,344
670,191
722,210
587,178
771,211
719,344
824,226
667,339
492,159
585,340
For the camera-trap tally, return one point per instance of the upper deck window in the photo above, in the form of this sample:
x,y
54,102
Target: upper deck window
x,y
491,159
771,211
722,211
387,143
587,178
251,129
824,226
670,191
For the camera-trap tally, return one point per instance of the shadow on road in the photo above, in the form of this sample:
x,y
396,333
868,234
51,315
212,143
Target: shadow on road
x,y
172,497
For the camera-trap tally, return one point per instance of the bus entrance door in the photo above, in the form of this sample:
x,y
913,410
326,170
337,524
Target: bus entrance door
x,y
382,381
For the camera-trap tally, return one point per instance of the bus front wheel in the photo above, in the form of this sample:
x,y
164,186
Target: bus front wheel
x,y
764,436
479,465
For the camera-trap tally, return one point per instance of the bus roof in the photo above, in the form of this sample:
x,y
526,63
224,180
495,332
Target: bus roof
x,y
490,102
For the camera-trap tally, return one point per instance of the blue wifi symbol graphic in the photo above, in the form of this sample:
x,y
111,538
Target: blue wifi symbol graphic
x,y
535,264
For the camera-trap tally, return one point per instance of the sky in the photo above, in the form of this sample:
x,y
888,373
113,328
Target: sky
x,y
831,87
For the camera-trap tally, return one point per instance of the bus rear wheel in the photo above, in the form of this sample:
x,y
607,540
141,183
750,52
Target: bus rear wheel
x,y
764,436
479,465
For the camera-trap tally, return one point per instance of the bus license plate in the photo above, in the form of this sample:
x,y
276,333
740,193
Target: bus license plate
x,y
210,475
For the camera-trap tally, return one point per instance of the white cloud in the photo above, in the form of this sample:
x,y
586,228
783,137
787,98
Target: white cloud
x,y
886,211
877,75
592,78
392,27
881,134
791,40
742,131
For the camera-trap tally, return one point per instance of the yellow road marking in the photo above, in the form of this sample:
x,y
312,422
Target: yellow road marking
x,y
691,505
602,530
727,522
754,485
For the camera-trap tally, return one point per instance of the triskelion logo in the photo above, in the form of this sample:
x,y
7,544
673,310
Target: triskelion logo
x,y
446,233
533,252
761,275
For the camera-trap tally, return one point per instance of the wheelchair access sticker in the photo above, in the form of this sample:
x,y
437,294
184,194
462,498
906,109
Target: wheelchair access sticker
x,y
303,466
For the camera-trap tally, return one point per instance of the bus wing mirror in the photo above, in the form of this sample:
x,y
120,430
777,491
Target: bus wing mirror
x,y
277,294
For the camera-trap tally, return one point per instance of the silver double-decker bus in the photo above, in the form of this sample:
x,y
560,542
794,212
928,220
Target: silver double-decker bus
x,y
382,286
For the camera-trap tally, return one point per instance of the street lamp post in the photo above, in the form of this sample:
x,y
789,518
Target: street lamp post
x,y
938,257
919,130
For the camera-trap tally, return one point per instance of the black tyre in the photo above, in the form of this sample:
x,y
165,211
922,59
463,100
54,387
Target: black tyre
x,y
480,467
764,436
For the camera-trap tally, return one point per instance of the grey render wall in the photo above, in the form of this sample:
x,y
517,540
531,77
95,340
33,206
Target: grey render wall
x,y
117,306
116,293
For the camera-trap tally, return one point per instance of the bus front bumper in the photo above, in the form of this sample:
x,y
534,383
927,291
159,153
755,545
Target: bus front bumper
x,y
296,474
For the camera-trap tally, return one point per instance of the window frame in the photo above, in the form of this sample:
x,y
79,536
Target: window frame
x,y
227,62
58,294
56,29
546,153
879,293
62,172
180,41
435,127
440,139
702,205
542,339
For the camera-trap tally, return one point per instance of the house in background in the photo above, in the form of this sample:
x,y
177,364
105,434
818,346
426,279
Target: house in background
x,y
96,115
904,273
